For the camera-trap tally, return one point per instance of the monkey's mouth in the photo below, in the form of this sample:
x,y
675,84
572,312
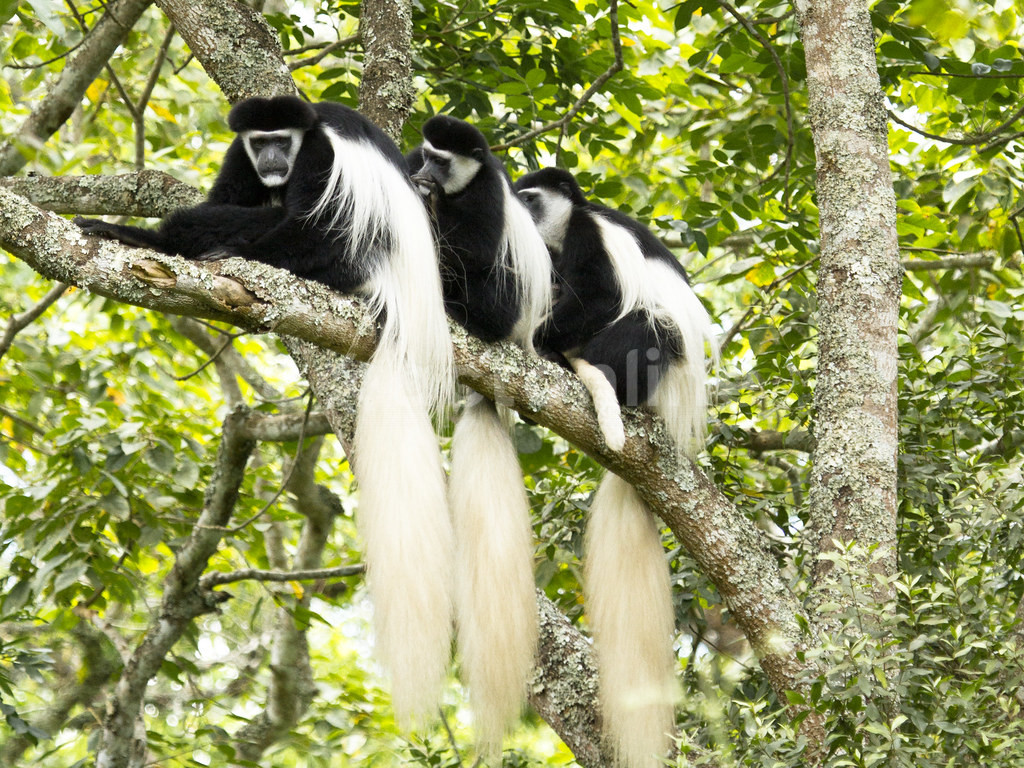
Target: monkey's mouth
x,y
274,179
425,185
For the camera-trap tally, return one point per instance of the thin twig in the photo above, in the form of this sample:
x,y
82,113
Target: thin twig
x,y
1016,228
448,29
1001,140
324,52
56,58
19,322
20,420
212,358
968,141
738,325
212,580
600,80
451,736
768,20
792,474
154,75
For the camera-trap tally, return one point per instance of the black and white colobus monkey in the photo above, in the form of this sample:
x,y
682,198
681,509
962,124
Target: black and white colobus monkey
x,y
495,270
319,190
629,324
496,275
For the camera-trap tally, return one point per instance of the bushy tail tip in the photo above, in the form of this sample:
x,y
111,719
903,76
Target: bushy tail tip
x,y
629,606
409,544
496,603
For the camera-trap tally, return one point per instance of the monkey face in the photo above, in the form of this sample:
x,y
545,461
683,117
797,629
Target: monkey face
x,y
273,153
449,171
550,210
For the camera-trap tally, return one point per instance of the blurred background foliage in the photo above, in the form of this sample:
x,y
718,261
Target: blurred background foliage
x,y
109,419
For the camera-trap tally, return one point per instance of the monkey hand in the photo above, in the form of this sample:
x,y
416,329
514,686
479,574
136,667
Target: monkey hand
x,y
426,186
133,236
96,227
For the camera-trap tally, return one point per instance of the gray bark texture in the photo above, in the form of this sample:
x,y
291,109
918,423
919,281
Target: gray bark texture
x,y
146,193
853,482
235,45
386,92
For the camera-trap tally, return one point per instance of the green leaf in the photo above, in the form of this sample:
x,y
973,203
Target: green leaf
x,y
48,12
535,77
7,10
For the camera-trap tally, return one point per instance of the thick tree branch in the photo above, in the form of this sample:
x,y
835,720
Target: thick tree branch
x,y
958,261
286,427
853,481
568,702
235,45
56,249
145,193
771,440
212,580
724,542
853,478
386,92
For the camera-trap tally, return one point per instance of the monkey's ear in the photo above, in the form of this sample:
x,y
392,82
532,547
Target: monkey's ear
x,y
479,154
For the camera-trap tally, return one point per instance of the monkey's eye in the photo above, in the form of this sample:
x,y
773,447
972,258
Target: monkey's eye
x,y
281,143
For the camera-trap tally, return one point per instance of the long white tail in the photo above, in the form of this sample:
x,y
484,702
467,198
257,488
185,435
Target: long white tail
x,y
403,510
404,521
681,396
370,198
629,606
496,602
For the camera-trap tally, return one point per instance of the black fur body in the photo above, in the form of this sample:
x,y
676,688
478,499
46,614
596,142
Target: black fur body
x,y
471,215
244,217
632,350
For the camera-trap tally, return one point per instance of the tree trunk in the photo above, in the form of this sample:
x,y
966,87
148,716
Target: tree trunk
x,y
386,91
853,482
